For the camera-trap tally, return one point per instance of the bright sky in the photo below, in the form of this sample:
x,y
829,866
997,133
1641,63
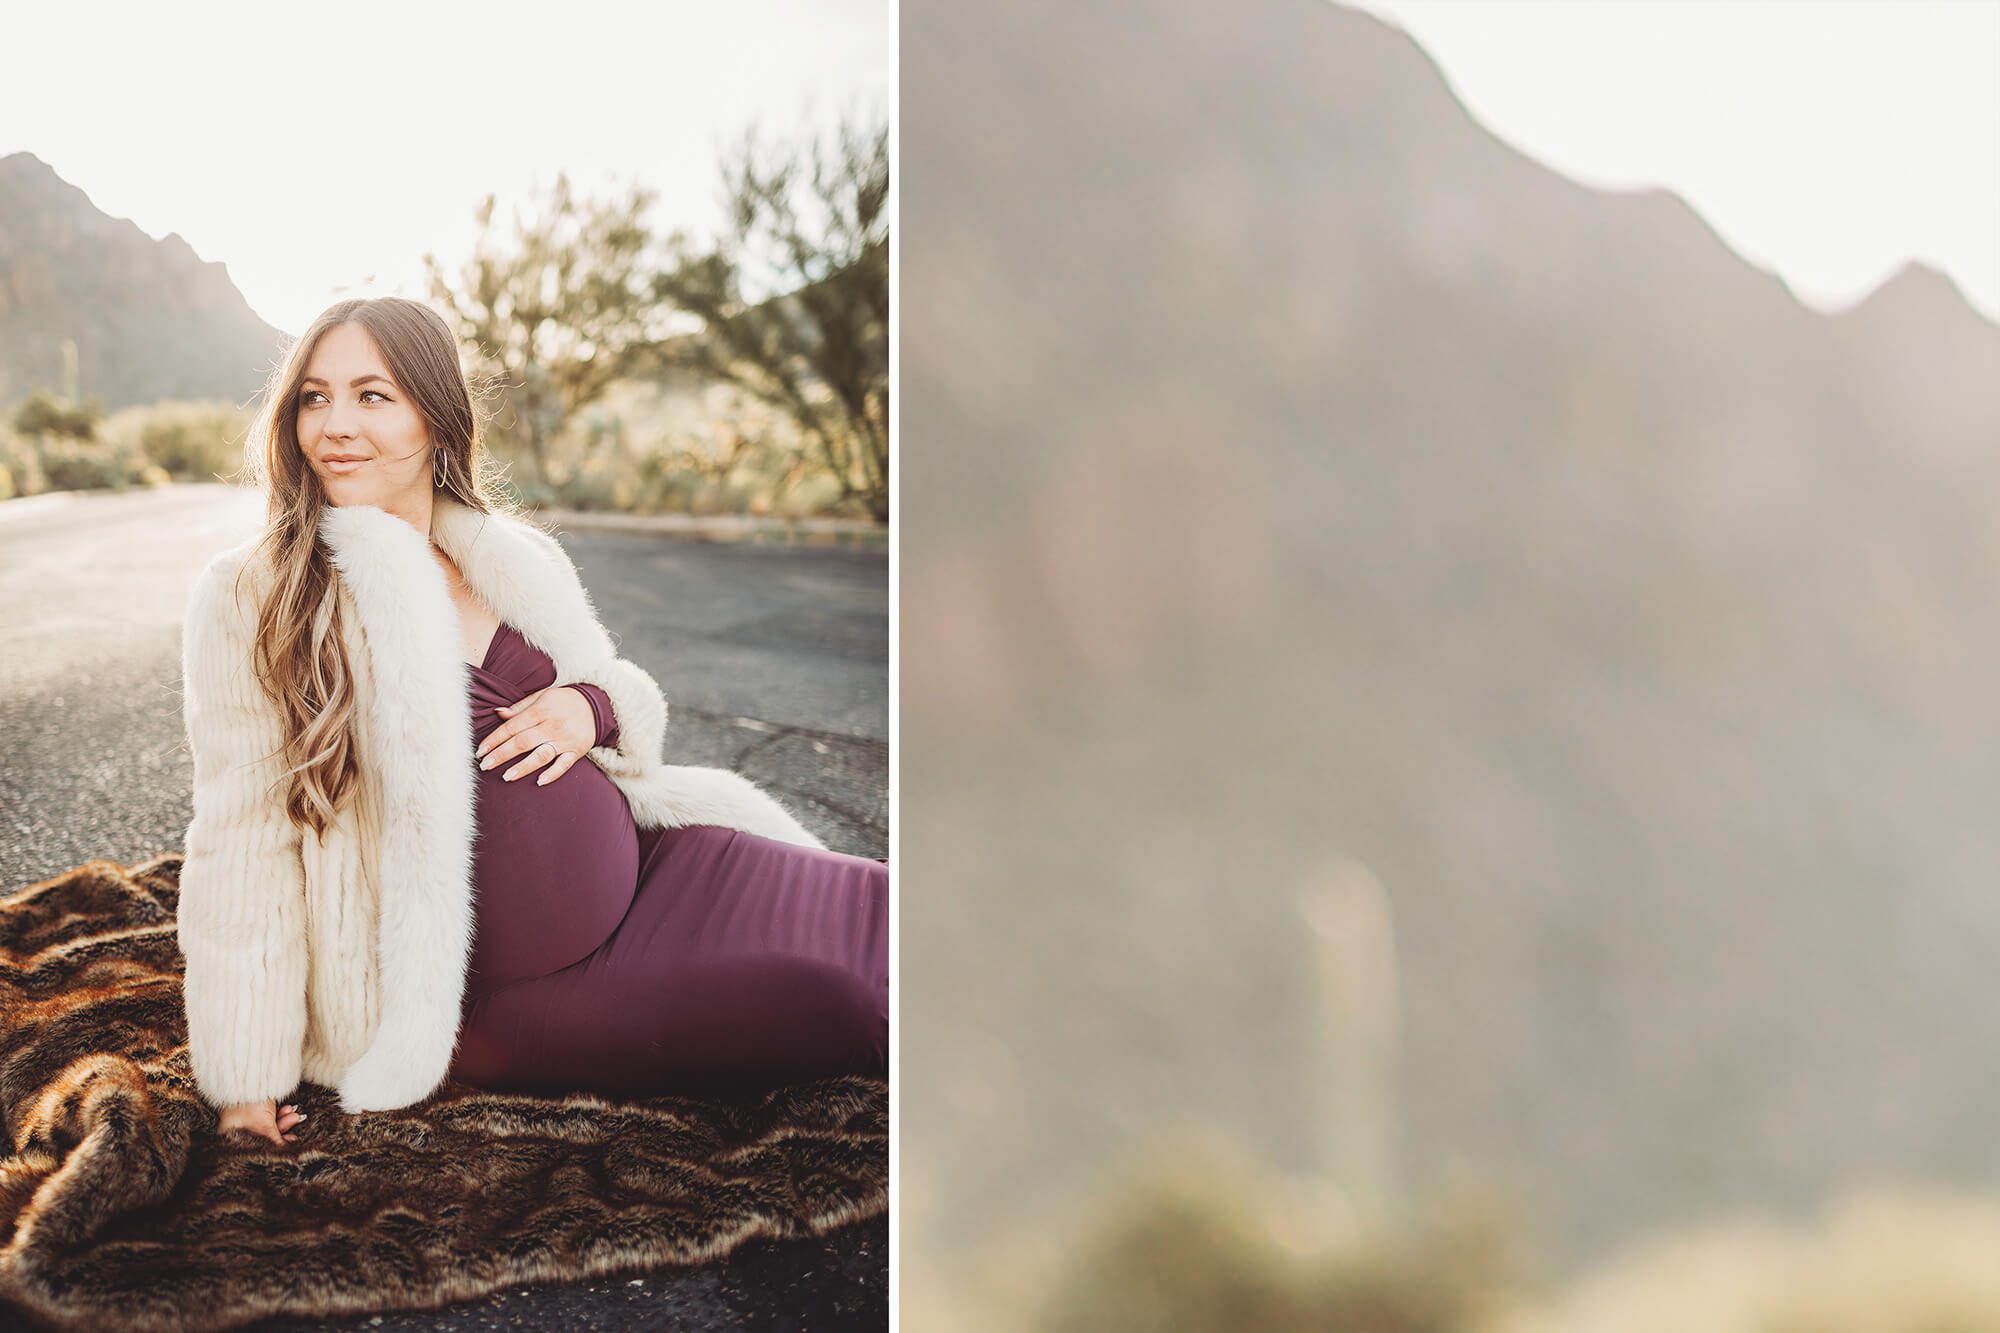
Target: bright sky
x,y
1828,142
318,151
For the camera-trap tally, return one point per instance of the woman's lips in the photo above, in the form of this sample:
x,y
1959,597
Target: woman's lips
x,y
344,464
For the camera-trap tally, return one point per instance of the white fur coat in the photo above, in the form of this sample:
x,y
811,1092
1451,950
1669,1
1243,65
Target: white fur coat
x,y
345,962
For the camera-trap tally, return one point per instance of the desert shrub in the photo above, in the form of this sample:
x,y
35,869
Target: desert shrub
x,y
24,470
79,465
68,466
189,441
153,445
1194,1237
45,413
650,450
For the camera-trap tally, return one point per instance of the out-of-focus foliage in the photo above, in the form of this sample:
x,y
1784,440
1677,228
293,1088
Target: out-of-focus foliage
x,y
1188,1250
552,311
576,297
138,446
1196,1237
199,441
77,465
812,220
1880,1261
1190,1233
698,448
44,415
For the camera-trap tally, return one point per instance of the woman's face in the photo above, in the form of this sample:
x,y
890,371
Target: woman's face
x,y
349,407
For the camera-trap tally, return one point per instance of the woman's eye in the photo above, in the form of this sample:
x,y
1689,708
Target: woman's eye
x,y
310,394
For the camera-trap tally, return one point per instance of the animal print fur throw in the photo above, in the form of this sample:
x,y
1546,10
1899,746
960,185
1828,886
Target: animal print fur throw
x,y
121,1207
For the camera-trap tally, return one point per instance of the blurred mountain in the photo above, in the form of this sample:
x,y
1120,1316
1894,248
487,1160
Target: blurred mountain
x,y
1294,472
150,319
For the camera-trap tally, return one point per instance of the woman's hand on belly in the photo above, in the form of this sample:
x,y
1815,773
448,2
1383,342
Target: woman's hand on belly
x,y
553,727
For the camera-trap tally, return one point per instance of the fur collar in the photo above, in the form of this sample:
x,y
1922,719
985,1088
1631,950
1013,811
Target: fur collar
x,y
422,732
398,585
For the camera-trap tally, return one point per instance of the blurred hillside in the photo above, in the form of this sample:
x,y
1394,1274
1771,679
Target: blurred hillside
x,y
1308,480
149,319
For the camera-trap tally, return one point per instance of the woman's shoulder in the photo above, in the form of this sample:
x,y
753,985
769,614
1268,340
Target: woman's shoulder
x,y
514,529
527,533
233,580
530,530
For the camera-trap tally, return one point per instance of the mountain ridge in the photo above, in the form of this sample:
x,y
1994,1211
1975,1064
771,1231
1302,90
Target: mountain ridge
x,y
150,319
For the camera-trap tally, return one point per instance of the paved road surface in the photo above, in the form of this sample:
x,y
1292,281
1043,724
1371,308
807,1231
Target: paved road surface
x,y
774,661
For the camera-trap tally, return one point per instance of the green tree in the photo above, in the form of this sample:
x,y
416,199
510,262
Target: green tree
x,y
557,309
808,224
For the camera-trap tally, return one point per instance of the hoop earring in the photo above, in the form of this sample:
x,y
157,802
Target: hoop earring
x,y
437,468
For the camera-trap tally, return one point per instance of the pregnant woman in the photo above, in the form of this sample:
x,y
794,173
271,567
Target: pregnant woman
x,y
433,833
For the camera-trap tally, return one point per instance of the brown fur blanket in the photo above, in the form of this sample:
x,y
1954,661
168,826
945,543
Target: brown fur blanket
x,y
121,1207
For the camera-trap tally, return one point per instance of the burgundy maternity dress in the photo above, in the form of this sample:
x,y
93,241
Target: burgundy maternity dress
x,y
611,958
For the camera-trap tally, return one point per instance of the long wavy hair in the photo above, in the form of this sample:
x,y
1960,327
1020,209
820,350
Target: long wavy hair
x,y
298,656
